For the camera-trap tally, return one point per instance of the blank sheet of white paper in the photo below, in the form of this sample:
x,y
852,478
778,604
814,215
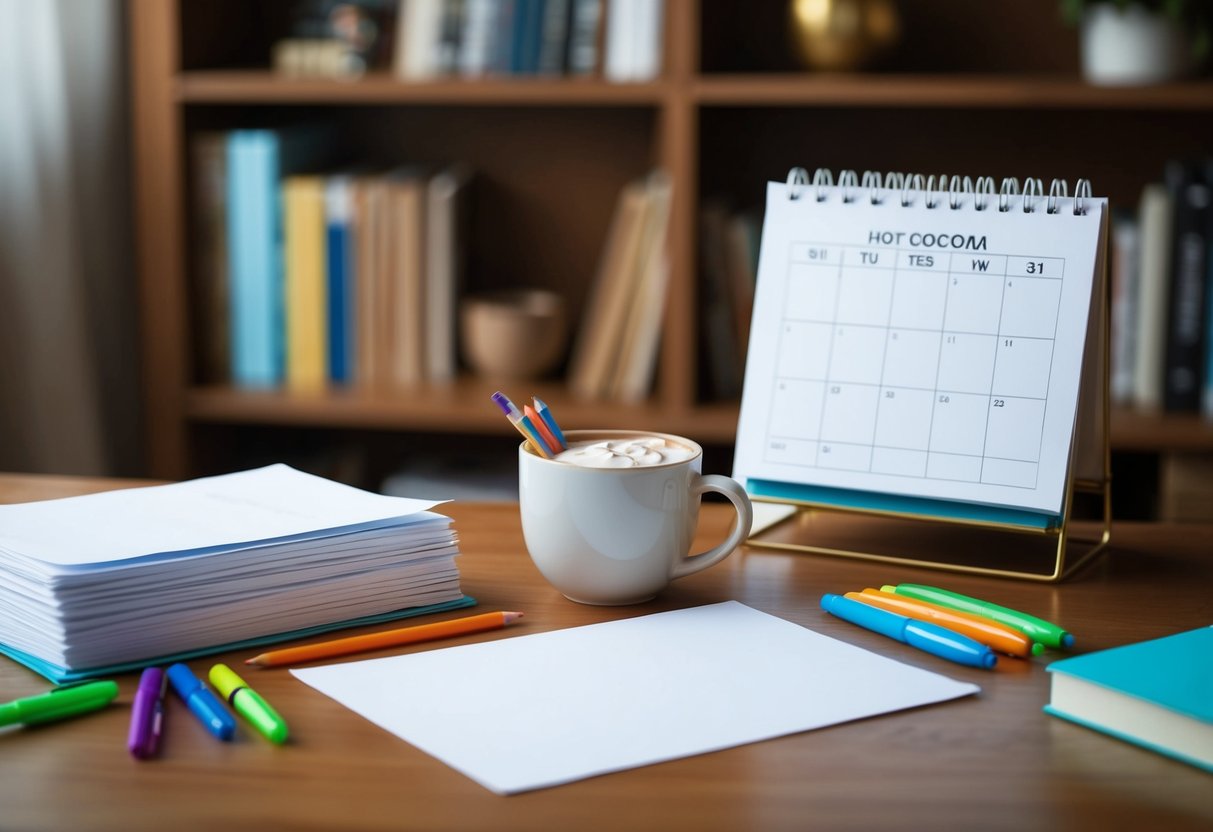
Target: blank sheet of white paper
x,y
533,711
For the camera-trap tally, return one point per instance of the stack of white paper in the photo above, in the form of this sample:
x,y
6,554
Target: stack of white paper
x,y
109,581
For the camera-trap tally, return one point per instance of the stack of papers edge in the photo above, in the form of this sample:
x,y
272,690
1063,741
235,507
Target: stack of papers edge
x,y
114,533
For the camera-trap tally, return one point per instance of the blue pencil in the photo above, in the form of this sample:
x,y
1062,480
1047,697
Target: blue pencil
x,y
546,415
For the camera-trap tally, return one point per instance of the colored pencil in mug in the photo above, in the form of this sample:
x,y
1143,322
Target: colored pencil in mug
x,y
542,428
545,416
522,424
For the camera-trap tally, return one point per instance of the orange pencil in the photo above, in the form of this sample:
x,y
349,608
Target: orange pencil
x,y
543,429
990,633
387,638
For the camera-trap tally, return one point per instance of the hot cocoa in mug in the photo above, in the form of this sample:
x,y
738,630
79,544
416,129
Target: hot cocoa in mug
x,y
610,520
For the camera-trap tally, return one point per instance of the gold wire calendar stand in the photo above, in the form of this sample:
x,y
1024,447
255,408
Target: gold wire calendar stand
x,y
943,542
962,545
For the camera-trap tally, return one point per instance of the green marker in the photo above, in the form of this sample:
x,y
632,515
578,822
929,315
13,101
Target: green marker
x,y
60,703
248,703
1034,628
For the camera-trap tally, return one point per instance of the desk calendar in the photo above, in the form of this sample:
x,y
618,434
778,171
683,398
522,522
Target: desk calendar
x,y
919,348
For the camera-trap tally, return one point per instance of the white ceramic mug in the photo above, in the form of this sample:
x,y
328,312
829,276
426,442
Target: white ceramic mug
x,y
620,535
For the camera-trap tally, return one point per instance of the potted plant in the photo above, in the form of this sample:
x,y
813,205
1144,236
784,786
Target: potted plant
x,y
1140,41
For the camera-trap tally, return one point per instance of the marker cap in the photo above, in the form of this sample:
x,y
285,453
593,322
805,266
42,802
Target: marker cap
x,y
202,702
248,703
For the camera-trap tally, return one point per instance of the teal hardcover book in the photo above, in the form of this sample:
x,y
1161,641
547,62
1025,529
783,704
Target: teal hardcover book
x,y
1157,694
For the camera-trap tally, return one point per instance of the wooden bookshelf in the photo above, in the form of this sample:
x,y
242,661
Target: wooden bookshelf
x,y
1156,432
960,91
968,92
728,113
265,87
462,407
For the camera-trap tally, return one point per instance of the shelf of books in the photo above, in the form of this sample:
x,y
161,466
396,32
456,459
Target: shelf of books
x,y
403,163
1162,314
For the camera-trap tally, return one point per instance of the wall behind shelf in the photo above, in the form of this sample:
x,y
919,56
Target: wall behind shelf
x,y
741,148
936,36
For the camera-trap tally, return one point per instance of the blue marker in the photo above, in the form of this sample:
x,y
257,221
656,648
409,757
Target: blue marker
x,y
930,638
205,705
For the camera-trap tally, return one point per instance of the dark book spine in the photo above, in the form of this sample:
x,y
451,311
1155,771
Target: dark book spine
x,y
1192,194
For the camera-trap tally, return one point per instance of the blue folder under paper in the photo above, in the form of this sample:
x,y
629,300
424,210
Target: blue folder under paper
x,y
844,498
60,675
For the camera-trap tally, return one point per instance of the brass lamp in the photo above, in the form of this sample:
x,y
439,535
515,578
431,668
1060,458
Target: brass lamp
x,y
841,35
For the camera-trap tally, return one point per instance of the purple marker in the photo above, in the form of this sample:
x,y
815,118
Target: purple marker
x,y
147,714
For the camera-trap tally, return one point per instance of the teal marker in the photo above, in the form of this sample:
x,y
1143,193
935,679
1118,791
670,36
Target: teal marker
x,y
1037,629
60,703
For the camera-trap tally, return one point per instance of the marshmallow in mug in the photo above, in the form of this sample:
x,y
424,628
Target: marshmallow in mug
x,y
624,453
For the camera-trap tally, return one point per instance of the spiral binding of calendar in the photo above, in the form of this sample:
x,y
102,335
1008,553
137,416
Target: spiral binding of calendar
x,y
938,190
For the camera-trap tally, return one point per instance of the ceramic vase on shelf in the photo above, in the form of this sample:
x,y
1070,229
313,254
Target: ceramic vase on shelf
x,y
1132,46
842,35
513,335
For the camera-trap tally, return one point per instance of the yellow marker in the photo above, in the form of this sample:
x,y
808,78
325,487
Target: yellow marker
x,y
248,703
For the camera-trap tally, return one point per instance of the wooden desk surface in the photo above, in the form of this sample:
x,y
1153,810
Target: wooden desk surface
x,y
984,762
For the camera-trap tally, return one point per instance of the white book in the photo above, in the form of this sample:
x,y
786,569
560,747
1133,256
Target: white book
x,y
1156,217
418,39
476,44
1126,263
647,52
621,22
446,195
633,375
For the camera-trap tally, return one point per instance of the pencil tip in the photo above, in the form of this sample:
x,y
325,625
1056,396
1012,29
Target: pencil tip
x,y
511,617
254,660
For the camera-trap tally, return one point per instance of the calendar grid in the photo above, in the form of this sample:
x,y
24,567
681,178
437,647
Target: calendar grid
x,y
993,375
884,360
829,287
829,359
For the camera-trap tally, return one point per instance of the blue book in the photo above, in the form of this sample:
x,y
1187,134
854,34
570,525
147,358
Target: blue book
x,y
1206,404
255,265
529,28
501,46
1157,694
342,273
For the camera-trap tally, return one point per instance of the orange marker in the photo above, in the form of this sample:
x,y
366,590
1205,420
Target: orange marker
x,y
990,633
387,638
544,430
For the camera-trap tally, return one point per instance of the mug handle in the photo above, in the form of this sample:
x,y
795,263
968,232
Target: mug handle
x,y
745,519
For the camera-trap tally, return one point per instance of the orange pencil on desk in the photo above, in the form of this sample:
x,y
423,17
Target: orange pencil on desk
x,y
996,636
386,638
